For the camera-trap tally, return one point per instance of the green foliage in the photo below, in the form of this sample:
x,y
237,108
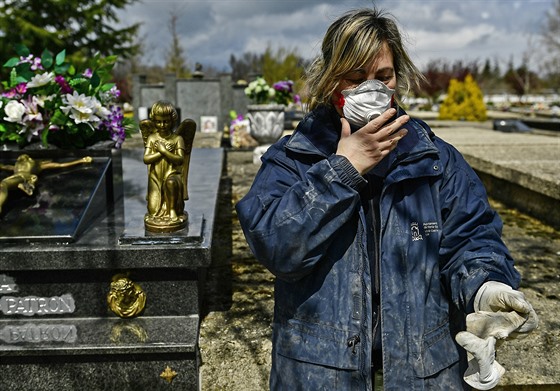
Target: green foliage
x,y
175,59
283,65
81,27
464,101
46,99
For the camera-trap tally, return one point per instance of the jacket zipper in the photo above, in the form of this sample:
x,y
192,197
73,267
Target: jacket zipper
x,y
376,266
352,342
376,252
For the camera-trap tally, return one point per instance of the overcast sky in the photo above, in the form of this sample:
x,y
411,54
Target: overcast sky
x,y
211,30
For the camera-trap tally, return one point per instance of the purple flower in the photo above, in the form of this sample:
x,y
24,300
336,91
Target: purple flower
x,y
88,73
36,64
34,61
115,92
284,86
114,125
64,86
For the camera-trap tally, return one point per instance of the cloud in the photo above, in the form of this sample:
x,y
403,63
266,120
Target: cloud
x,y
212,30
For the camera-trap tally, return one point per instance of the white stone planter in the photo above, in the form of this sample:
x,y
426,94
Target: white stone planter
x,y
266,122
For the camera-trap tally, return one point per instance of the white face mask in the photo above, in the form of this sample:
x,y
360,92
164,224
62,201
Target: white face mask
x,y
366,102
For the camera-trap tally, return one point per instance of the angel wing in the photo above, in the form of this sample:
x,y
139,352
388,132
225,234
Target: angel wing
x,y
146,128
187,130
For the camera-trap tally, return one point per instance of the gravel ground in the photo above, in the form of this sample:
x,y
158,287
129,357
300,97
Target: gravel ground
x,y
236,324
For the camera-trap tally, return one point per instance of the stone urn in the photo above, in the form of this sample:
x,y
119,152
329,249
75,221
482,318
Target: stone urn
x,y
266,125
266,122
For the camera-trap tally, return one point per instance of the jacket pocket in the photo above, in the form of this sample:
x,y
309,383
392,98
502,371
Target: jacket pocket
x,y
316,344
439,351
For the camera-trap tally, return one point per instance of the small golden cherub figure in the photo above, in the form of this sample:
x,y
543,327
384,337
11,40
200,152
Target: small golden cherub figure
x,y
125,298
167,153
26,171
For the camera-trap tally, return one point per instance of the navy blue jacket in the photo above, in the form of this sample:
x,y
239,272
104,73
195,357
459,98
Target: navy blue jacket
x,y
439,241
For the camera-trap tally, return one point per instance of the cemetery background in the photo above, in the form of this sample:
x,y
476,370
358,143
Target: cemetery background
x,y
235,330
236,323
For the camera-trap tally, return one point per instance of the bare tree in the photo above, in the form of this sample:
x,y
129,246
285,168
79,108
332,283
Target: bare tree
x,y
175,61
551,40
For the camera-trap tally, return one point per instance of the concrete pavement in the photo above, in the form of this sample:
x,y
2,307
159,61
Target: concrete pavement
x,y
519,169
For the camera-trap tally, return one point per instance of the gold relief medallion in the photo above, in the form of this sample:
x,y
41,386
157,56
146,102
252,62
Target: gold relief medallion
x,y
125,298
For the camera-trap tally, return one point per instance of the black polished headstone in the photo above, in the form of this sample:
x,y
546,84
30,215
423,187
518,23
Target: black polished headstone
x,y
64,203
90,346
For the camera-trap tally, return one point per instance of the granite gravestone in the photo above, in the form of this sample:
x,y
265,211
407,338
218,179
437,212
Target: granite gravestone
x,y
56,328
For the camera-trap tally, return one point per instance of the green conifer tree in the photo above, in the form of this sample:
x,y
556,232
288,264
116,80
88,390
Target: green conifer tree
x,y
81,27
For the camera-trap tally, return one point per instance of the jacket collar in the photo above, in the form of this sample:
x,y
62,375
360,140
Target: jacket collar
x,y
319,132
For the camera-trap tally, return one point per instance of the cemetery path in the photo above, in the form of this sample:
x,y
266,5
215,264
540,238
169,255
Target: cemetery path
x,y
236,324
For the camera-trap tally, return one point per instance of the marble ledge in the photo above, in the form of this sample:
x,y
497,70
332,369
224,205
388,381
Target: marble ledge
x,y
98,336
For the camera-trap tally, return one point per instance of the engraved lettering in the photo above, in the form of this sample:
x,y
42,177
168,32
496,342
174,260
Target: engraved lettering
x,y
42,304
13,333
39,333
7,284
10,306
53,305
32,305
23,306
29,335
44,333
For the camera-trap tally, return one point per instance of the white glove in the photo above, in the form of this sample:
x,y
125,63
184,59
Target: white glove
x,y
500,312
483,328
495,296
484,372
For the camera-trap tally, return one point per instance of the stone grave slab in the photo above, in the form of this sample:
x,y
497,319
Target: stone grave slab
x,y
64,203
56,331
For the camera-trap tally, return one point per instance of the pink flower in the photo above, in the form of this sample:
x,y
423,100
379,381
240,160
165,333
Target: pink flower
x,y
16,92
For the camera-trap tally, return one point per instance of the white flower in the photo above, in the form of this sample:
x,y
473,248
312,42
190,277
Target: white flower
x,y
83,117
41,99
80,107
32,111
99,109
40,80
14,111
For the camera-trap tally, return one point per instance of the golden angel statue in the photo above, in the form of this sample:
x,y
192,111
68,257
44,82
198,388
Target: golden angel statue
x,y
167,152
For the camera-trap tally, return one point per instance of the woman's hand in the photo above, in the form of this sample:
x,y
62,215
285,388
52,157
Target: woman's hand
x,y
366,147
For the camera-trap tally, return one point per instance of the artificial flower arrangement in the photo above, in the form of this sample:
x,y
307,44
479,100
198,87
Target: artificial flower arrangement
x,y
239,136
49,100
281,92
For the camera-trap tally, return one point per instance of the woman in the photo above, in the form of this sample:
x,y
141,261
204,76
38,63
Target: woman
x,y
379,233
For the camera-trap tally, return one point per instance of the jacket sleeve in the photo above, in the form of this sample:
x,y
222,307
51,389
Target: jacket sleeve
x,y
472,251
293,211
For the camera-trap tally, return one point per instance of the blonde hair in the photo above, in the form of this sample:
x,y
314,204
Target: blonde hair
x,y
350,43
